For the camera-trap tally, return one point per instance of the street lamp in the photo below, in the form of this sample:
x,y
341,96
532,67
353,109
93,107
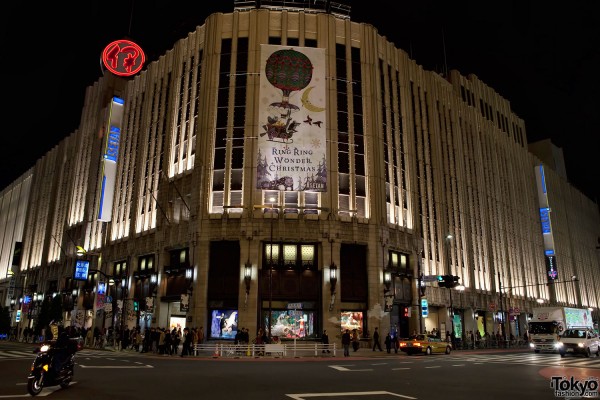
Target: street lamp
x,y
575,299
447,253
272,201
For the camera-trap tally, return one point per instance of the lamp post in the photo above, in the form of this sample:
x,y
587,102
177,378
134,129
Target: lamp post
x,y
272,201
247,280
110,281
447,254
575,299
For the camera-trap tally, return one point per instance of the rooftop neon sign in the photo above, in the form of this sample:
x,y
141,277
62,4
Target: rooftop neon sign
x,y
123,57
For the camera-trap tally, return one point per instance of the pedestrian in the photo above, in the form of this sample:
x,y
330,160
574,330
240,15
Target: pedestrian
x,y
187,342
161,342
346,342
355,340
376,342
201,335
388,343
175,340
258,340
325,339
168,342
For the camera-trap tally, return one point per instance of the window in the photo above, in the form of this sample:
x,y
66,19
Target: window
x,y
290,256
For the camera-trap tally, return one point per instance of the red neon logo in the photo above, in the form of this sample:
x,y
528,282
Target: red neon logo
x,y
123,57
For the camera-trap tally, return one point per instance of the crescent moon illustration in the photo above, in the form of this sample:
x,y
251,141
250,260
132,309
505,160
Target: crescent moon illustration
x,y
307,104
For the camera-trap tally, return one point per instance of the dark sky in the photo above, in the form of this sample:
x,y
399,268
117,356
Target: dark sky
x,y
545,60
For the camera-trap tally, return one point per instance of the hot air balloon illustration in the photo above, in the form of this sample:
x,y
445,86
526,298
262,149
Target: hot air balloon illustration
x,y
288,70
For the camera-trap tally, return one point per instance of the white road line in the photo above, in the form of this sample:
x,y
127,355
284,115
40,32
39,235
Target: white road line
x,y
45,392
341,368
435,366
399,369
301,396
116,366
458,365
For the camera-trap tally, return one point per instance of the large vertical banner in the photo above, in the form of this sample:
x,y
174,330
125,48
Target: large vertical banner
x,y
551,269
110,157
293,124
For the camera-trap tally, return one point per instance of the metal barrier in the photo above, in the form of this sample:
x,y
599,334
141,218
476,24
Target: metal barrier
x,y
258,350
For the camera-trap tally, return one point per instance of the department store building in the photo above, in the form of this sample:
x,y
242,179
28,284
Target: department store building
x,y
292,166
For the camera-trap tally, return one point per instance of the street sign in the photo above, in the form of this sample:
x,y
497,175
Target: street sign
x,y
429,278
81,270
294,306
424,308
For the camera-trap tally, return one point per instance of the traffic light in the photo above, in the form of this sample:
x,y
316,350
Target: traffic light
x,y
448,281
455,281
443,280
136,306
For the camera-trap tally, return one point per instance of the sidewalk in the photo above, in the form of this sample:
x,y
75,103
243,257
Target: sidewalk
x,y
302,351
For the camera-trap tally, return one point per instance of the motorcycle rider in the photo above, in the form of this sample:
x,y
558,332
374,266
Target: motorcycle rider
x,y
61,351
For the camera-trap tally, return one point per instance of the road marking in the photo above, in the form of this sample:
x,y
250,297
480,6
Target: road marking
x,y
341,368
458,365
301,396
435,366
116,366
398,369
45,392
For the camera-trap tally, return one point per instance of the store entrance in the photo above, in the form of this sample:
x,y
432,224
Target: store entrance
x,y
177,322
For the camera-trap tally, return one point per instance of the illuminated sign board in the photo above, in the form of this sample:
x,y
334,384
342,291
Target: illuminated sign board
x,y
424,308
551,267
110,156
123,57
545,219
81,270
101,287
18,317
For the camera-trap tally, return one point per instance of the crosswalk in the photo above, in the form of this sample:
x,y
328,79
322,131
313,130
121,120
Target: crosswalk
x,y
24,354
546,360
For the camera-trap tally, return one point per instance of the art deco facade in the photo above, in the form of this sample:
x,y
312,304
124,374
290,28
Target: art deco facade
x,y
410,157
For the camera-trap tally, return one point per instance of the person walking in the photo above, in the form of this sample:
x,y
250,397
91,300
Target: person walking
x,y
376,342
355,340
187,342
325,339
346,343
388,343
201,335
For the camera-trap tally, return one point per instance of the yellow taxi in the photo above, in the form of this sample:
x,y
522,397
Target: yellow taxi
x,y
425,344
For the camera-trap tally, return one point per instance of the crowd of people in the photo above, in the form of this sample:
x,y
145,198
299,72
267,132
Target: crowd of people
x,y
164,341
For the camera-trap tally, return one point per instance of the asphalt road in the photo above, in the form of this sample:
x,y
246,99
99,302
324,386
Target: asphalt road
x,y
461,375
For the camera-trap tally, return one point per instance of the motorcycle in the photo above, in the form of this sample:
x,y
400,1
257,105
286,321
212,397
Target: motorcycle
x,y
43,370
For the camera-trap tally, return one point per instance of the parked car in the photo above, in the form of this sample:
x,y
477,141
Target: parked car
x,y
579,341
425,344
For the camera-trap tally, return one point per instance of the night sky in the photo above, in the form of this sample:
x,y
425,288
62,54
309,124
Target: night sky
x,y
544,59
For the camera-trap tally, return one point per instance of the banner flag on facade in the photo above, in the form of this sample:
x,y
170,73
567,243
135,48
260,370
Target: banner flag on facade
x,y
292,128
